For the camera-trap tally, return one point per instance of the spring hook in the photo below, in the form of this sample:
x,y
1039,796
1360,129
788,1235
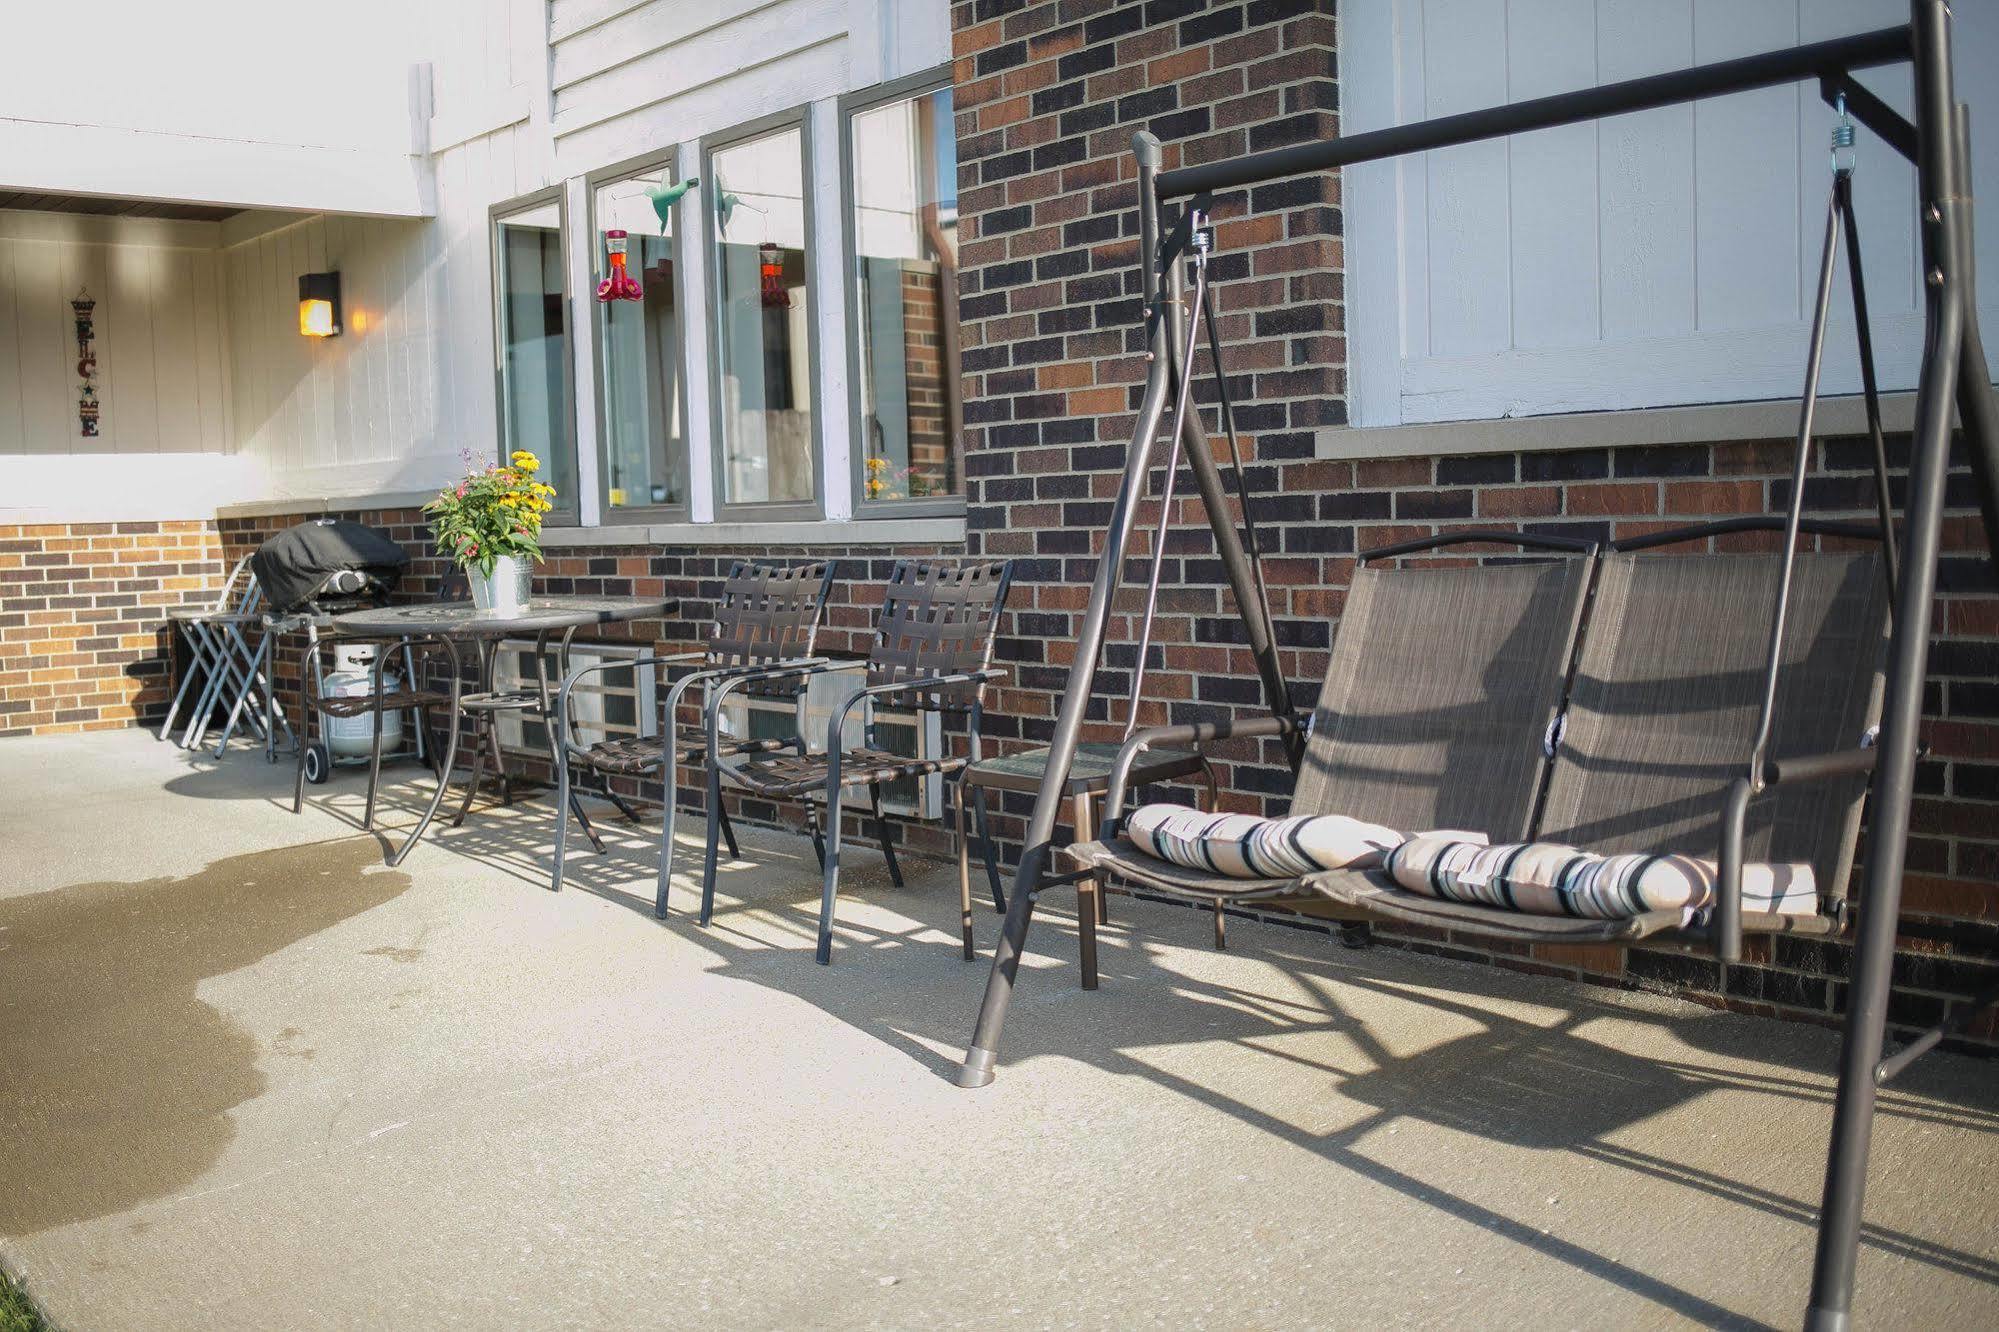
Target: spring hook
x,y
1842,139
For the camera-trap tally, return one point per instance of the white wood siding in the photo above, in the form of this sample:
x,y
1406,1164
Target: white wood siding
x,y
1654,259
389,405
160,356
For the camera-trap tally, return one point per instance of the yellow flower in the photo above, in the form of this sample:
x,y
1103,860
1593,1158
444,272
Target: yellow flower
x,y
525,461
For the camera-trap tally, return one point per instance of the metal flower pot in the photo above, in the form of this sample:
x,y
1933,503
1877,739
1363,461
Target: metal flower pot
x,y
506,590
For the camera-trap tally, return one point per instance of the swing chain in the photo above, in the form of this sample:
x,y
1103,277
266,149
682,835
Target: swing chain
x,y
1842,139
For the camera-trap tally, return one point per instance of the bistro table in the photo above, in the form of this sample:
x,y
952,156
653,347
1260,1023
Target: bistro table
x,y
451,623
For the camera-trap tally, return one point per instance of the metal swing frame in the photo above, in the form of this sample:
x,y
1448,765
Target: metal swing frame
x,y
1954,375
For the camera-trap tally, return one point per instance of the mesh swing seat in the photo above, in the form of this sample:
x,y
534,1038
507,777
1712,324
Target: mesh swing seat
x,y
1450,703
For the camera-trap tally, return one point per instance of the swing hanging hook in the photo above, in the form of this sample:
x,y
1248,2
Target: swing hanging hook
x,y
1842,139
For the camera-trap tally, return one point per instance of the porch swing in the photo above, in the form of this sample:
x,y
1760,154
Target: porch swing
x,y
1590,694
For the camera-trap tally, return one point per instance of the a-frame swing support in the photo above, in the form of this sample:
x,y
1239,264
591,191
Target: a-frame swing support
x,y
1954,375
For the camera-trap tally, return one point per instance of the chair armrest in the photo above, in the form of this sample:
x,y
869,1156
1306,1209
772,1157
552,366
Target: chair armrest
x,y
1195,734
1734,823
838,723
741,676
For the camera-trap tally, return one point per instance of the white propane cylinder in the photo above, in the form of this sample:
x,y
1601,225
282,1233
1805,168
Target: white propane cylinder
x,y
352,676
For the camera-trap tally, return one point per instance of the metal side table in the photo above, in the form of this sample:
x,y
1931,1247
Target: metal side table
x,y
1089,778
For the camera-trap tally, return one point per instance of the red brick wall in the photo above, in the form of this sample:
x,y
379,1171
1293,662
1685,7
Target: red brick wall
x,y
82,616
1048,95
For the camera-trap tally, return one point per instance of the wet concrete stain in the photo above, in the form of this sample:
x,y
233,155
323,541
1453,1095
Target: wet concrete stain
x,y
116,1081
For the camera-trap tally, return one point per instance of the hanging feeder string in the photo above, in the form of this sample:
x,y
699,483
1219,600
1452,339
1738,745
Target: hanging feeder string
x,y
1201,240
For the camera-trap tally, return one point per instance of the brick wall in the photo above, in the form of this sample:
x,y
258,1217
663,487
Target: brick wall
x,y
1048,95
82,613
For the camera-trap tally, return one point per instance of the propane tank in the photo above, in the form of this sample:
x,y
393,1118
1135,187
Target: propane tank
x,y
353,676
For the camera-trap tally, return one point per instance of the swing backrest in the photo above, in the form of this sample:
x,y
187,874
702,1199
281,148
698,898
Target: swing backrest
x,y
1442,685
1668,689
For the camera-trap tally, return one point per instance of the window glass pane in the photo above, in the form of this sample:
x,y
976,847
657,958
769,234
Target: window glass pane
x,y
906,296
644,428
763,321
534,346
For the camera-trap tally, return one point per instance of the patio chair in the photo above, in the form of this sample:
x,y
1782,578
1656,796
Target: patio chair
x,y
1646,754
768,616
422,662
932,653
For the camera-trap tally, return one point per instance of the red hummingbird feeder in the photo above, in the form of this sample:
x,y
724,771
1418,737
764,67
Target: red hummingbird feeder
x,y
620,285
770,268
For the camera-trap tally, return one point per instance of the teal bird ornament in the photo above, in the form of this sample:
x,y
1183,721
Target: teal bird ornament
x,y
664,197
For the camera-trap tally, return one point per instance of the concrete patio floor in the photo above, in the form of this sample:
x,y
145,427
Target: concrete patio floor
x,y
250,1078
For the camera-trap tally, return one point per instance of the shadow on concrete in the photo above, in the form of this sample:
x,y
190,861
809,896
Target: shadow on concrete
x,y
1541,1085
116,1080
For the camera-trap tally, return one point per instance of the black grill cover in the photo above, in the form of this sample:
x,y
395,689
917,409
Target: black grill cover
x,y
293,566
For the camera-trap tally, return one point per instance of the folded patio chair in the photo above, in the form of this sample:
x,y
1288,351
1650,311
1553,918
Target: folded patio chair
x,y
932,653
226,663
1442,685
768,616
1650,753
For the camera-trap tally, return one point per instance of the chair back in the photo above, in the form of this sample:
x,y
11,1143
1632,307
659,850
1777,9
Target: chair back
x,y
769,613
1668,690
937,619
1443,683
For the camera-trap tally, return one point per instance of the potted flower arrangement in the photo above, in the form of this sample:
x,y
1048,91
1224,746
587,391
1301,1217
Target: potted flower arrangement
x,y
489,524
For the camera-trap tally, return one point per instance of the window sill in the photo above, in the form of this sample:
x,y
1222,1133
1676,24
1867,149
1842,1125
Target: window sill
x,y
1706,424
908,532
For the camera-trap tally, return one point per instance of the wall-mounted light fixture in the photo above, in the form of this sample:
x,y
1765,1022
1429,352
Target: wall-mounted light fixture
x,y
319,304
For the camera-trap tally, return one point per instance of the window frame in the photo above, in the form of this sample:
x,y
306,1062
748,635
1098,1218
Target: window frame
x,y
906,88
815,286
667,156
568,509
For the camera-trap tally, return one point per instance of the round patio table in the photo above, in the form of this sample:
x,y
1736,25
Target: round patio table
x,y
451,623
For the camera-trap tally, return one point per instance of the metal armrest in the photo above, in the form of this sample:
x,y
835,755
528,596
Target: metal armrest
x,y
1735,819
1196,734
838,724
750,674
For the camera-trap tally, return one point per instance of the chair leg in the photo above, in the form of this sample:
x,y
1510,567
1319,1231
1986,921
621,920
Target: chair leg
x,y
669,798
881,834
964,864
991,854
1221,928
304,734
561,814
728,832
830,890
812,831
374,745
583,820
624,806
714,838
1088,890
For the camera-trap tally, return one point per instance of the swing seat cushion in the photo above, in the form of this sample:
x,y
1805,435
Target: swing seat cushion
x,y
1244,846
1551,879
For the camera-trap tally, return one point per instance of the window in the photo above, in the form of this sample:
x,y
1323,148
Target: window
x,y
610,705
764,385
642,410
903,308
533,339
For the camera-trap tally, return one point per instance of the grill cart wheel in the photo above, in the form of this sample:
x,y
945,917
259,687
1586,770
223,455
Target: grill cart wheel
x,y
318,763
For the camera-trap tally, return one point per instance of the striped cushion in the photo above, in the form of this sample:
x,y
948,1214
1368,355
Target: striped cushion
x,y
1549,879
1244,846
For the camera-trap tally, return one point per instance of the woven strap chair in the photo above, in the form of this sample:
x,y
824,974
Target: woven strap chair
x,y
767,616
932,652
1451,702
